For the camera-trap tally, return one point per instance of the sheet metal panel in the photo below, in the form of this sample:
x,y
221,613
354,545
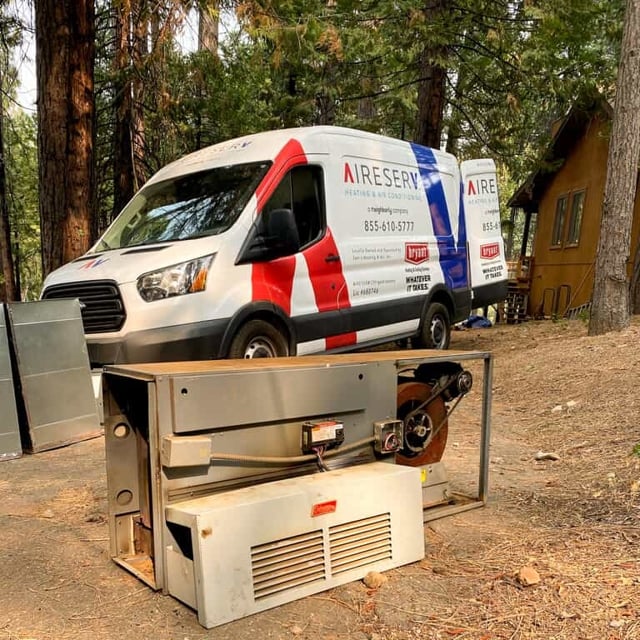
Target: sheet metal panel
x,y
264,396
260,413
54,374
401,359
10,446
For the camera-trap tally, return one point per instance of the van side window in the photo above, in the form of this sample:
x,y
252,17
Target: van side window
x,y
302,190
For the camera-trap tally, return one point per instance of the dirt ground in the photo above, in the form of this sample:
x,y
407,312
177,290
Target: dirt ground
x,y
571,523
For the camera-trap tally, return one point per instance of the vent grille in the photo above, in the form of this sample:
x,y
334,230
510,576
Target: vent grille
x,y
359,543
102,307
287,564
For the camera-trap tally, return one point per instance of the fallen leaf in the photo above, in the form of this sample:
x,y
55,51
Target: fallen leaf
x,y
620,605
528,576
565,615
547,455
373,579
368,607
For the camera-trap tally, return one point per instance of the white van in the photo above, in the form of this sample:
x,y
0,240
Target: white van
x,y
318,239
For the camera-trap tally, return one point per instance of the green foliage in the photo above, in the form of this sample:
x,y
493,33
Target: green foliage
x,y
104,93
22,183
571,51
210,99
512,69
584,316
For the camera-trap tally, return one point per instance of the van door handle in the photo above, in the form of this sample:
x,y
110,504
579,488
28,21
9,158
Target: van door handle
x,y
332,257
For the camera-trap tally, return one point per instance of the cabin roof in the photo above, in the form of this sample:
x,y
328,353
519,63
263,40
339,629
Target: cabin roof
x,y
571,128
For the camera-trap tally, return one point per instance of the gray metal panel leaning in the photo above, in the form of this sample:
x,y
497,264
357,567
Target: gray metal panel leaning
x,y
10,446
54,374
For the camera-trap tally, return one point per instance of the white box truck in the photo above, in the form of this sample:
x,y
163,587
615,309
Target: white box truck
x,y
299,241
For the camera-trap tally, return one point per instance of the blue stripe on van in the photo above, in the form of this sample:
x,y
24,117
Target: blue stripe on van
x,y
453,251
462,225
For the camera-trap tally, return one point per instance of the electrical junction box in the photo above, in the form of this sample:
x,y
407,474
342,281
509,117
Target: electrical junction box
x,y
247,550
388,435
322,433
191,451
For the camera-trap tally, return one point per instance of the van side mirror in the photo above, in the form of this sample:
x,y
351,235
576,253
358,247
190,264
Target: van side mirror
x,y
282,232
274,234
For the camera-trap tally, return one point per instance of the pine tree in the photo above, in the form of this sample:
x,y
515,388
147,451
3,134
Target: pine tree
x,y
610,302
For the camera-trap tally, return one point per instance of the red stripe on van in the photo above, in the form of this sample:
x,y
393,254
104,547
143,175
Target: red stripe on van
x,y
273,280
290,155
345,340
329,286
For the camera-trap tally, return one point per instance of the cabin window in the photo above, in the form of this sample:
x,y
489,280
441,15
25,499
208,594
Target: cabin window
x,y
575,219
302,191
558,222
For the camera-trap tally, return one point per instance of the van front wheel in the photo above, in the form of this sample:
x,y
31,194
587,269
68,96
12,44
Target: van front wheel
x,y
258,339
436,328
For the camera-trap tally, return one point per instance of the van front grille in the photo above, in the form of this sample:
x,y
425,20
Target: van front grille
x,y
100,301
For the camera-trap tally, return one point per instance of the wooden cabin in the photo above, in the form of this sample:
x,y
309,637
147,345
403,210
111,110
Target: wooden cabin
x,y
559,208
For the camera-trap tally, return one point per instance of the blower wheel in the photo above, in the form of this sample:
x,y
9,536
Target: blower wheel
x,y
420,445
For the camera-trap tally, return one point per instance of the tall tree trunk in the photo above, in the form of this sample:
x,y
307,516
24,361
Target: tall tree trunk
x,y
634,287
8,287
431,89
65,41
128,135
455,121
139,55
208,41
123,188
610,304
366,105
208,26
325,102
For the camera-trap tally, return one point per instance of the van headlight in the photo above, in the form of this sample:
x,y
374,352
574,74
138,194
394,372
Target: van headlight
x,y
186,277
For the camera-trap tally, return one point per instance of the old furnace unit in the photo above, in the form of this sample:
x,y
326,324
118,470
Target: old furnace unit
x,y
236,486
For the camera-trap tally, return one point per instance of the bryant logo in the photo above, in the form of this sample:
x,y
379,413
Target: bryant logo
x,y
416,252
488,251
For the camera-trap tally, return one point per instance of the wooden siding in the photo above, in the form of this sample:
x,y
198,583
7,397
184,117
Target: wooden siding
x,y
563,275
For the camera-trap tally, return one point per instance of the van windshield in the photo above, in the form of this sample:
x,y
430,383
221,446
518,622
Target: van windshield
x,y
199,204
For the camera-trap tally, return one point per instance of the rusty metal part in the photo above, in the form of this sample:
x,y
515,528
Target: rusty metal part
x,y
426,427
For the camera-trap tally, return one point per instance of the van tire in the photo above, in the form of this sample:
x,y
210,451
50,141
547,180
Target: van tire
x,y
258,339
436,327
